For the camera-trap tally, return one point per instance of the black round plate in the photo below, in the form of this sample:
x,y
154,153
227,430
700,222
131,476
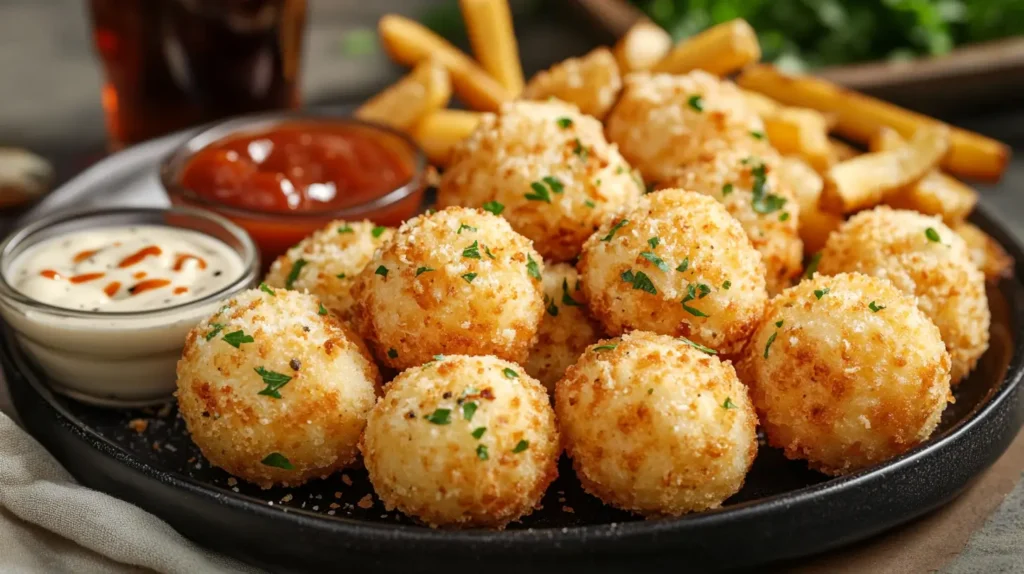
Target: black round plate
x,y
783,511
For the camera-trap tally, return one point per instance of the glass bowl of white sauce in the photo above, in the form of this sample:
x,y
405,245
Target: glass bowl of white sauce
x,y
102,300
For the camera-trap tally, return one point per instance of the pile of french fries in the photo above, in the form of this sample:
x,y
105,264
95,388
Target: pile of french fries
x,y
909,161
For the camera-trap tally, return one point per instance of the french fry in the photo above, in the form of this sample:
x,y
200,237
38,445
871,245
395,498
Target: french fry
x,y
592,82
815,227
409,43
643,46
438,133
719,50
865,180
802,132
425,89
842,150
986,252
936,193
858,117
489,25
804,181
760,103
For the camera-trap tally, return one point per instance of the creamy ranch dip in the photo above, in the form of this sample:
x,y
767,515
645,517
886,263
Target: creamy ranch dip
x,y
129,268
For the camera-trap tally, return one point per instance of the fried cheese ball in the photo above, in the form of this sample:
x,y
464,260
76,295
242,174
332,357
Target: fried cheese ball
x,y
274,390
846,372
665,121
754,191
592,82
457,281
462,441
677,264
566,329
547,169
327,262
656,425
927,260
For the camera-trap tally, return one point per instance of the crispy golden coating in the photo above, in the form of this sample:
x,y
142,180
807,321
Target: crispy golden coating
x,y
677,264
253,425
663,122
566,329
591,82
455,281
933,266
462,441
547,169
655,425
327,262
755,191
846,372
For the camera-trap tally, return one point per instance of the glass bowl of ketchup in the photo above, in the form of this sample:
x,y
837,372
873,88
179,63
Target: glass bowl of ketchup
x,y
282,176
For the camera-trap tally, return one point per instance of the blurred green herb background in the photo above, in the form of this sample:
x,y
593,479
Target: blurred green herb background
x,y
804,34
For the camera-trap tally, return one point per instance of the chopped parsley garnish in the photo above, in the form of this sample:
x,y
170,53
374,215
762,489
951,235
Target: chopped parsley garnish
x,y
469,277
605,347
614,229
479,432
640,281
438,357
566,297
684,265
779,323
784,216
531,268
277,460
266,289
654,242
726,284
217,328
819,293
521,446
273,380
468,410
703,290
657,261
875,307
757,135
540,193
294,273
378,231
812,265
236,338
728,404
346,229
510,373
580,151
473,251
768,345
650,391
494,207
422,270
340,276
619,170
322,310
487,250
763,202
932,235
589,203
696,102
726,189
564,122
698,346
481,451
440,417
549,304
382,271
466,227
691,294
392,354
554,183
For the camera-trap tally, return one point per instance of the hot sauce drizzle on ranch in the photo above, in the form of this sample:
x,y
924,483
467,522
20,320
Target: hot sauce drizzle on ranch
x,y
117,269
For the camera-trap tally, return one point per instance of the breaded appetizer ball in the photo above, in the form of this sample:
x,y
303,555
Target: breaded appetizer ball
x,y
275,389
592,82
327,262
846,372
457,281
566,329
927,260
656,425
547,169
677,264
665,121
753,190
462,441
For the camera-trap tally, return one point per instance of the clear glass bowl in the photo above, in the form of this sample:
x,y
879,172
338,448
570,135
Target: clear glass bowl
x,y
115,358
